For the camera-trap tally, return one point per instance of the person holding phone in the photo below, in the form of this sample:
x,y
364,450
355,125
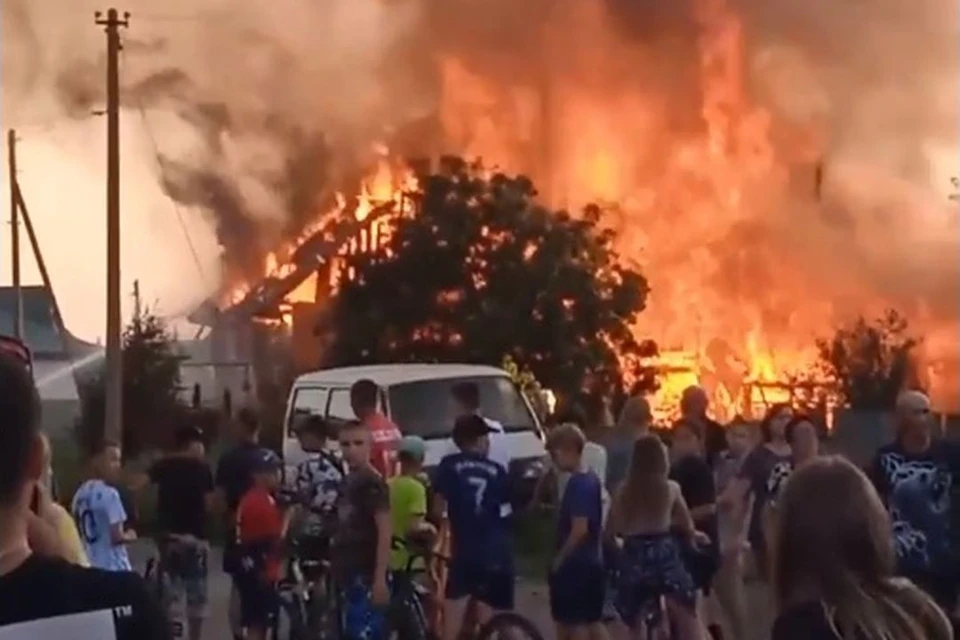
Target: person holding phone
x,y
43,596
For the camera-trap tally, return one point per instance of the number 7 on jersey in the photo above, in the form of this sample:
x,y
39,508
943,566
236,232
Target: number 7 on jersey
x,y
479,486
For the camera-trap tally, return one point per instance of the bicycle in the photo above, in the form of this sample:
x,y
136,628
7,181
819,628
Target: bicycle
x,y
411,601
308,597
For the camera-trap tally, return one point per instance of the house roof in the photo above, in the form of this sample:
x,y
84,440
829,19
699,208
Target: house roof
x,y
40,331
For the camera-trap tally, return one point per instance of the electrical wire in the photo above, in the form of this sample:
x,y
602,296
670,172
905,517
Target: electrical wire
x,y
176,206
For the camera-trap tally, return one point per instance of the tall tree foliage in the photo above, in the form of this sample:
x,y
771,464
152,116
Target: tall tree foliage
x,y
870,361
481,272
151,388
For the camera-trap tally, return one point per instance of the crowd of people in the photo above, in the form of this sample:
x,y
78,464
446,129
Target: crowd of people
x,y
879,557
652,537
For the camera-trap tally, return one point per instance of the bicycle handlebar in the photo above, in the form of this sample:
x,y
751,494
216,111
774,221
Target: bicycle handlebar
x,y
417,553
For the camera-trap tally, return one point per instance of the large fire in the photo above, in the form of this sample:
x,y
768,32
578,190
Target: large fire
x,y
730,311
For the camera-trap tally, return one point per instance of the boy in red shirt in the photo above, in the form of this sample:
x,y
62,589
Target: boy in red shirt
x,y
384,434
259,533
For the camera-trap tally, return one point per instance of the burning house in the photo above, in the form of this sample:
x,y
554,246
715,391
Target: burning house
x,y
724,190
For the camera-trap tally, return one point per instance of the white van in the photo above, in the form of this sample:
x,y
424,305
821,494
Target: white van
x,y
417,398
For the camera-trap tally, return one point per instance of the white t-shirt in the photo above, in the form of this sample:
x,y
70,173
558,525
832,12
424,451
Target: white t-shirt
x,y
97,508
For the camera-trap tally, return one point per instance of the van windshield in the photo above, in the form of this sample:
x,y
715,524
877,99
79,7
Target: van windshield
x,y
425,408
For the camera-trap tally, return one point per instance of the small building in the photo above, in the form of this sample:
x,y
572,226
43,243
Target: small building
x,y
58,355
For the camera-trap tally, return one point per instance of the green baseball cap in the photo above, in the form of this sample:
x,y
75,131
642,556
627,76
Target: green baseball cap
x,y
413,446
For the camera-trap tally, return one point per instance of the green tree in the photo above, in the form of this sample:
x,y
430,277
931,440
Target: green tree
x,y
151,388
869,362
481,272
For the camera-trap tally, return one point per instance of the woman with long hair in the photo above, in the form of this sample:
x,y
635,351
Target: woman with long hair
x,y
647,509
834,565
751,480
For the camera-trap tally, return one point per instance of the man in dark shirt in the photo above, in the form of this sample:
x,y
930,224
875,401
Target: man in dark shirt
x,y
918,478
184,490
234,477
44,597
693,409
362,541
690,470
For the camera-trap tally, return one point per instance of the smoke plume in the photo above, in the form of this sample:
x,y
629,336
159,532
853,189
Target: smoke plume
x,y
262,109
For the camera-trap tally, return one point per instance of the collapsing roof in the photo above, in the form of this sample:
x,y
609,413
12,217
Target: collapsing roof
x,y
318,250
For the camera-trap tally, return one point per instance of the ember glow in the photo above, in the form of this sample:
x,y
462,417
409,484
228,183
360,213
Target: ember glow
x,y
701,212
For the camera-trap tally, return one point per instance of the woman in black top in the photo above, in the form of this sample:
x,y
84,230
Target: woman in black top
x,y
833,563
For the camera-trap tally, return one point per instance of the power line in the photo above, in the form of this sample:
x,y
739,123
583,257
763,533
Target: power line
x,y
176,205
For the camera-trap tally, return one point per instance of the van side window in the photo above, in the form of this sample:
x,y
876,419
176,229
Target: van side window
x,y
340,408
307,401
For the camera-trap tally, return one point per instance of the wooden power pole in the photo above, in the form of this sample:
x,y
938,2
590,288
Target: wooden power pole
x,y
114,388
15,235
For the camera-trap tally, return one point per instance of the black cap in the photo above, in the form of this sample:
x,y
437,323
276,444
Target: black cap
x,y
469,429
265,461
188,434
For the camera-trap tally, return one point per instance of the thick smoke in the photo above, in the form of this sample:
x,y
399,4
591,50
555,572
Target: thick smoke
x,y
282,101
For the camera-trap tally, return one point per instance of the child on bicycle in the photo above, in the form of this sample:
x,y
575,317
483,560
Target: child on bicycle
x,y
259,534
408,503
474,492
315,485
362,541
577,577
647,509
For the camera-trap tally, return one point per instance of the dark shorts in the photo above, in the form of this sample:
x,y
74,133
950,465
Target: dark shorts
x,y
259,601
577,594
491,585
649,567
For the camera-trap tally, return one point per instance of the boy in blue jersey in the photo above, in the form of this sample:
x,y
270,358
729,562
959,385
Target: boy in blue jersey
x,y
474,491
99,513
577,577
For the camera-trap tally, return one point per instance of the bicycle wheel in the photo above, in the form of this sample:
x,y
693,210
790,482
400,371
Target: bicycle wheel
x,y
290,623
509,625
408,619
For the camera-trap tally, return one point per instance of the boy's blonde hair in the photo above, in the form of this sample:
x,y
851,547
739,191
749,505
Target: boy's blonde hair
x,y
568,437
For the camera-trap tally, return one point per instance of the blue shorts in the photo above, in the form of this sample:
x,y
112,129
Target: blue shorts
x,y
577,594
491,585
361,619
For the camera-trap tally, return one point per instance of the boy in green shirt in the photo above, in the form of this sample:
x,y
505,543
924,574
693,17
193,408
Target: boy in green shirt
x,y
408,500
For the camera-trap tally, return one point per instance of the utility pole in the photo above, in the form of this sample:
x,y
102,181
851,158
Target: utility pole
x,y
136,300
114,387
15,235
44,274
